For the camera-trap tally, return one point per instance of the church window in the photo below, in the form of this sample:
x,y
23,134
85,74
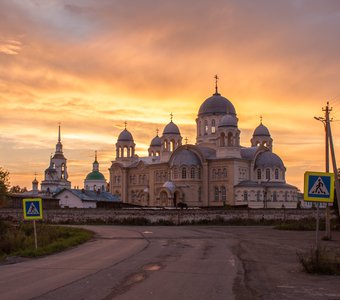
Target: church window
x,y
224,173
172,145
192,172
199,173
63,173
199,194
216,191
258,195
213,126
245,196
268,174
175,173
184,172
222,139
205,127
230,139
224,193
274,196
259,175
286,195
276,173
199,128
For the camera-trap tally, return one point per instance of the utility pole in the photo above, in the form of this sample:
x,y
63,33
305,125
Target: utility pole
x,y
329,140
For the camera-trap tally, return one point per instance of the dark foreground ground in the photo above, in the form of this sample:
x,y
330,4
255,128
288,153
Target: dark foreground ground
x,y
191,262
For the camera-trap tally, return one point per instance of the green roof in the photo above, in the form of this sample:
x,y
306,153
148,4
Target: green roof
x,y
95,175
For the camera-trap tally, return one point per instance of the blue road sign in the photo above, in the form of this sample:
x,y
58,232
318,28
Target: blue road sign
x,y
319,187
32,209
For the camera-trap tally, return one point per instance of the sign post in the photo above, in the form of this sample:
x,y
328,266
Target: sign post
x,y
318,187
33,211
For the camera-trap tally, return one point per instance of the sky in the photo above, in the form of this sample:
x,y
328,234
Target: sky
x,y
94,64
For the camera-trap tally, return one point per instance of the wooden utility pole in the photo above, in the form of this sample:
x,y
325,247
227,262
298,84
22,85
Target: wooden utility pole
x,y
329,141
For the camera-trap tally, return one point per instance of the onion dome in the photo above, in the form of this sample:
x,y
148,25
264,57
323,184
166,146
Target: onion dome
x,y
216,105
35,181
171,128
156,141
269,159
186,157
125,136
261,130
95,175
170,186
228,121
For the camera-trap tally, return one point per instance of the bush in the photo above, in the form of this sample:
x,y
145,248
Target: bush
x,y
19,240
320,262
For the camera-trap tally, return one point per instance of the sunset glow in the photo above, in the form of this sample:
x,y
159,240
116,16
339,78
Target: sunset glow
x,y
92,65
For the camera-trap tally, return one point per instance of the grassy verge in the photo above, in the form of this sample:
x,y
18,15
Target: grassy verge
x,y
322,261
308,224
18,240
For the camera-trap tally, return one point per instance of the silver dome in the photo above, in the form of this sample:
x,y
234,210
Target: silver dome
x,y
216,105
261,130
269,159
228,121
186,157
170,186
125,136
171,128
156,141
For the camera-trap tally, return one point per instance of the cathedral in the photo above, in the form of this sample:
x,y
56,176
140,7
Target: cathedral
x,y
216,171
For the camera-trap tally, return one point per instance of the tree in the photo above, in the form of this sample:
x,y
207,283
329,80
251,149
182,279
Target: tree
x,y
17,189
4,185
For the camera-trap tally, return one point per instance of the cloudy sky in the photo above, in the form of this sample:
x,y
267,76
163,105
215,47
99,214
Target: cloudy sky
x,y
94,64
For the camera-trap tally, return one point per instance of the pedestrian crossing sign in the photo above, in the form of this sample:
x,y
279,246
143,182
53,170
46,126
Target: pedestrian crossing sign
x,y
32,209
319,187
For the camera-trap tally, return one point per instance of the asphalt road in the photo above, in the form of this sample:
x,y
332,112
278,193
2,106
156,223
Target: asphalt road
x,y
174,263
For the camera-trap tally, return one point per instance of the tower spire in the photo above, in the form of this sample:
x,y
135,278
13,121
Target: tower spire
x,y
171,116
261,119
59,133
95,155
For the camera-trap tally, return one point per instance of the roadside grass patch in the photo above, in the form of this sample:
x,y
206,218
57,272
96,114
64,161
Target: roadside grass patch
x,y
322,261
307,224
18,240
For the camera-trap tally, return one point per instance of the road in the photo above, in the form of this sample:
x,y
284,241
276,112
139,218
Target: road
x,y
188,262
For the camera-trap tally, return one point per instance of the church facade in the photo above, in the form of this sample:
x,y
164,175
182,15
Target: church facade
x,y
216,171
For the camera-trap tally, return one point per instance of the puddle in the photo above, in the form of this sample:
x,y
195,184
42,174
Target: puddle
x,y
153,267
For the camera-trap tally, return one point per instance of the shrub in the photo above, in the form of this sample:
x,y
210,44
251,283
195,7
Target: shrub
x,y
320,262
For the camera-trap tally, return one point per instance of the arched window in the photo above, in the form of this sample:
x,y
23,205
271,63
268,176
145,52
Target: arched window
x,y
172,145
205,127
223,193
286,195
230,139
222,139
63,173
175,173
245,196
258,195
213,126
276,173
268,174
192,172
274,196
259,174
224,173
199,194
199,128
216,193
184,172
199,173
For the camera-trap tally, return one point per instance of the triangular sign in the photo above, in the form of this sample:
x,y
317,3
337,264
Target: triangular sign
x,y
32,210
319,188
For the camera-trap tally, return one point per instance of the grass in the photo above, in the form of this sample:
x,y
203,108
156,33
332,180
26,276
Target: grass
x,y
322,261
18,240
307,224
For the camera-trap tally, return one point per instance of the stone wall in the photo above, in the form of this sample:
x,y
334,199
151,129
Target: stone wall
x,y
83,216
